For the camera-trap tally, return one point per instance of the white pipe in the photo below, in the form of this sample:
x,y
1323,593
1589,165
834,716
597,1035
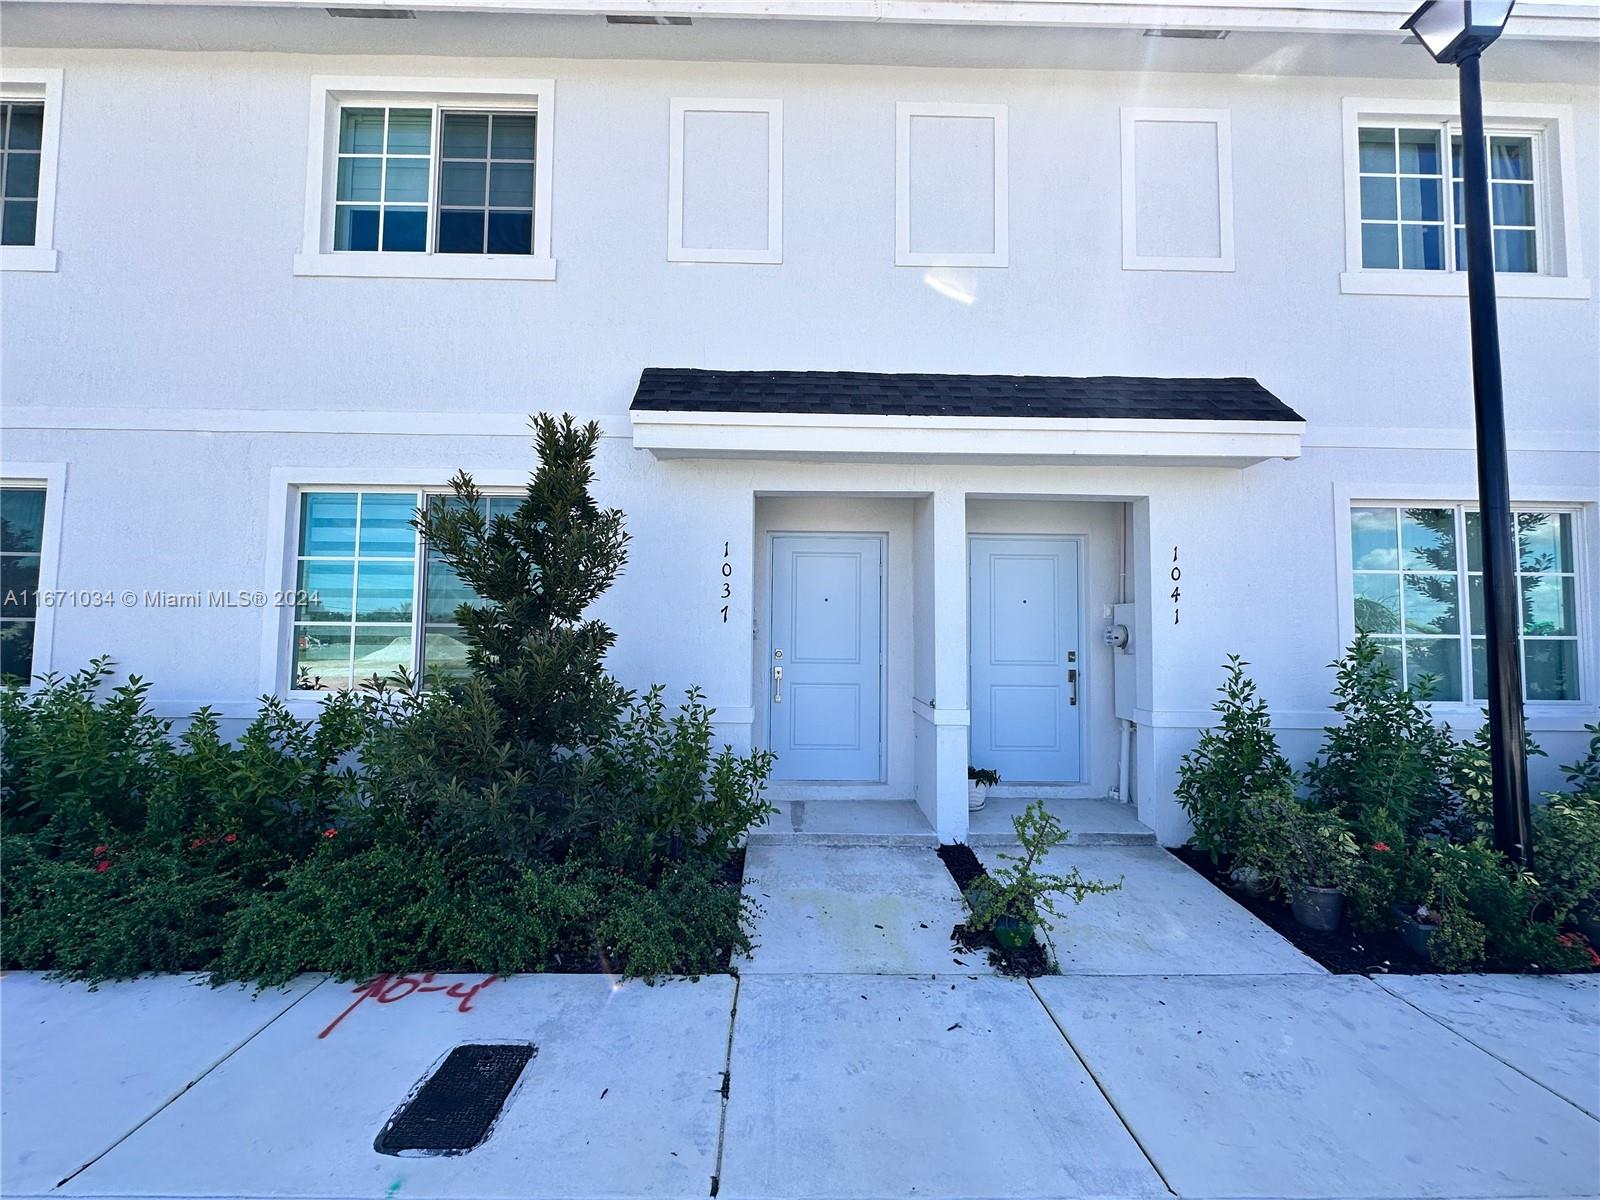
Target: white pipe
x,y
1124,753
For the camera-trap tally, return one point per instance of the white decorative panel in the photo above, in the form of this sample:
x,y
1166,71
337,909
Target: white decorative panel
x,y
1177,190
950,185
726,187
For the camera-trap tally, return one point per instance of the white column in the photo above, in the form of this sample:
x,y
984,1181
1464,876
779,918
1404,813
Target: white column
x,y
950,652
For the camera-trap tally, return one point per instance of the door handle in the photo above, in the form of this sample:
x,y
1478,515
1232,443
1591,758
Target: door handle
x,y
1072,678
777,685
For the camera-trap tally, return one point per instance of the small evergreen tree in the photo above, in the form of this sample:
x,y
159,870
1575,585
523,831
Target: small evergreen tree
x,y
1234,764
537,570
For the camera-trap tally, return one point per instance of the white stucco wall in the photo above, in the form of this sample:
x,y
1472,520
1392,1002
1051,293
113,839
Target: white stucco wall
x,y
181,372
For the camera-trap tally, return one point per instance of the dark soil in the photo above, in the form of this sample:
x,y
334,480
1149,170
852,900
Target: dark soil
x,y
1344,952
1029,962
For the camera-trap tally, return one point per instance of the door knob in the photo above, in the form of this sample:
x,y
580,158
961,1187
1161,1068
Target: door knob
x,y
777,685
1072,678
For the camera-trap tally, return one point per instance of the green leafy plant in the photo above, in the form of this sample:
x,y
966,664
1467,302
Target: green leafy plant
x,y
1566,840
1485,912
1233,763
1386,763
1019,890
984,777
1297,846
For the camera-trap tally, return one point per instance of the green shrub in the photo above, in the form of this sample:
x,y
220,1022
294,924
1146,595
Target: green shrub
x,y
1566,839
1485,910
1220,779
1297,846
1386,763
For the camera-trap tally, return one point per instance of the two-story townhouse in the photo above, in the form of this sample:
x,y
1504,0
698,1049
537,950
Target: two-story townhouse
x,y
974,376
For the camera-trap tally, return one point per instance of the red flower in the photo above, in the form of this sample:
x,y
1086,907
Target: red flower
x,y
103,866
1575,939
230,837
198,842
101,851
1384,846
328,833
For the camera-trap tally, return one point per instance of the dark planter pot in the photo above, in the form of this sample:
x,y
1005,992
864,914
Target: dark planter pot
x,y
1414,933
1588,923
1320,909
1249,881
1013,933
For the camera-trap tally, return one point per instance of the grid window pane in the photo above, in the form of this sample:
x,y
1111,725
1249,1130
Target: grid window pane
x,y
355,228
1550,669
461,232
21,137
1377,603
361,131
1544,541
1380,246
22,175
410,131
358,567
1515,250
1422,247
382,180
1419,152
1431,604
1510,157
1377,151
1439,658
1404,224
1513,202
1428,537
25,126
463,183
21,533
405,229
360,179
510,233
465,135
1378,202
405,181
486,183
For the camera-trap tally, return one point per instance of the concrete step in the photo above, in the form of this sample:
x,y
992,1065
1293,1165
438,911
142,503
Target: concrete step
x,y
1089,822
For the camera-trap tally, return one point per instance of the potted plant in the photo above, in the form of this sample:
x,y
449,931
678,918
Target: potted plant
x,y
979,781
1416,924
1009,903
1310,854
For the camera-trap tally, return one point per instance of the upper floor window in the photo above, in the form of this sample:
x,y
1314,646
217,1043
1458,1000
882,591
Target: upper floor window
x,y
1404,213
22,124
468,190
429,179
30,107
1417,589
1413,215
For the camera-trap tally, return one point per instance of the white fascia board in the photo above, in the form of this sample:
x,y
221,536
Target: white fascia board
x,y
1030,440
1562,21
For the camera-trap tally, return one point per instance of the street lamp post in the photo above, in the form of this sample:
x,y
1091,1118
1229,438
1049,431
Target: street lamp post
x,y
1456,32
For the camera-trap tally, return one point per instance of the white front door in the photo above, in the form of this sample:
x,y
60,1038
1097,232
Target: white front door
x,y
824,672
1026,672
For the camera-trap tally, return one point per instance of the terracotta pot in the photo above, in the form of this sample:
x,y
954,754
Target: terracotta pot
x,y
1320,909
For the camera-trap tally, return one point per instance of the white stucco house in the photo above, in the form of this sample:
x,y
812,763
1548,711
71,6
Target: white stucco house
x,y
975,376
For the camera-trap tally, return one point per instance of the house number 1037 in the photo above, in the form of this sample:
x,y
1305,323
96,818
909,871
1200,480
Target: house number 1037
x,y
727,585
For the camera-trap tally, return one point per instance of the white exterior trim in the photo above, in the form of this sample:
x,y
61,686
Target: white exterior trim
x,y
904,255
52,476
1530,20
328,92
1559,172
772,253
36,83
1132,260
963,439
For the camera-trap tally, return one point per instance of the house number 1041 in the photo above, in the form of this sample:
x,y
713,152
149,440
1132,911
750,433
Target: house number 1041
x,y
1177,592
727,585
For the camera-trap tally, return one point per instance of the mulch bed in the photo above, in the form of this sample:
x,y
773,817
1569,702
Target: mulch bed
x,y
1030,962
1344,952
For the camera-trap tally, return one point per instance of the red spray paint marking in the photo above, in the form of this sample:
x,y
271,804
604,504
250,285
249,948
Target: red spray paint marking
x,y
386,989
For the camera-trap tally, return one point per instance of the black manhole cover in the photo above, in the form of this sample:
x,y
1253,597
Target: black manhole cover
x,y
455,1107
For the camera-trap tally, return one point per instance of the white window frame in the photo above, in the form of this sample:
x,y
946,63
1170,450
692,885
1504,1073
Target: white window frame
x,y
904,256
1132,260
38,84
331,93
288,486
52,478
1542,715
773,252
1560,247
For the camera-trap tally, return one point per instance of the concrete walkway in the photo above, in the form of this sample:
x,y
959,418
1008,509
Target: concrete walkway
x,y
1185,1053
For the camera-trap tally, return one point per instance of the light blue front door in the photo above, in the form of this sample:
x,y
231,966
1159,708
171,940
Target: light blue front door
x,y
1026,673
824,674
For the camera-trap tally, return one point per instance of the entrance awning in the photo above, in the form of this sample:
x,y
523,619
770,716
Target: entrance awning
x,y
1019,419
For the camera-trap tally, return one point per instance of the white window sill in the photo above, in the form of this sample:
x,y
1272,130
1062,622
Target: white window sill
x,y
28,258
1542,716
365,265
1454,283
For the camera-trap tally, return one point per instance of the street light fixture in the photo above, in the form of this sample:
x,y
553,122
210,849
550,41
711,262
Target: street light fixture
x,y
1456,32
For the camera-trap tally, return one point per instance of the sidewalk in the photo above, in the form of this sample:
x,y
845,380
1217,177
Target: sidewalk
x,y
1255,1075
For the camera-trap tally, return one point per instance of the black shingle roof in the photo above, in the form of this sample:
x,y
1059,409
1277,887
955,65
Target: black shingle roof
x,y
867,393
